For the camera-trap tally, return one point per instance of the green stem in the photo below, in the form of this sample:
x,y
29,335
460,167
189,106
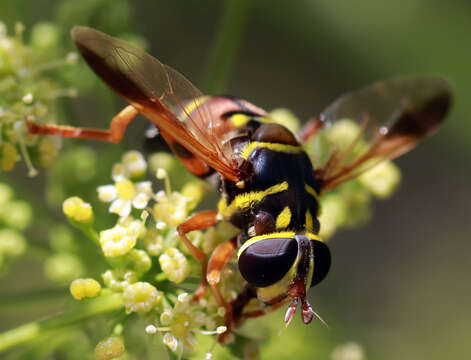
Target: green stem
x,y
90,232
33,330
226,45
32,297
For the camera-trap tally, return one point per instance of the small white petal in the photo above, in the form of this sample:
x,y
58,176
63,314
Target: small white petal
x,y
121,207
144,187
221,329
119,172
161,173
151,329
107,193
160,225
184,297
161,196
170,341
140,201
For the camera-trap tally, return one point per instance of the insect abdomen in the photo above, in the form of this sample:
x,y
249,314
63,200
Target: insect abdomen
x,y
279,174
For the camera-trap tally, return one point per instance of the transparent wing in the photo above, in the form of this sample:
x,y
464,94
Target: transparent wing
x,y
161,94
378,122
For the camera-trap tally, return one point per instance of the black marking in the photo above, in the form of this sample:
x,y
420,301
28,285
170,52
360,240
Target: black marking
x,y
266,261
421,121
322,261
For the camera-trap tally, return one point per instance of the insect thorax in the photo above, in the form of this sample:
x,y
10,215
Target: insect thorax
x,y
279,191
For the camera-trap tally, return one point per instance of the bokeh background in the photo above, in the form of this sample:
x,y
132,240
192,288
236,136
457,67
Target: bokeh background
x,y
399,286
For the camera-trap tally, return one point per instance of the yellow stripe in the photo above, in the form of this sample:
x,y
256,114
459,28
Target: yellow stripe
x,y
284,218
280,287
312,236
239,120
249,199
309,222
195,103
279,235
250,147
310,190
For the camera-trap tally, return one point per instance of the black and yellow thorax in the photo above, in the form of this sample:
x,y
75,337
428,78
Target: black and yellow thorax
x,y
279,190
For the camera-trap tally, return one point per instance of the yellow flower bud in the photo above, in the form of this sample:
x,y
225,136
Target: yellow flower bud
x,y
78,210
161,160
382,180
119,240
135,163
174,265
12,243
140,297
48,151
110,348
82,288
63,267
194,190
332,216
9,156
286,118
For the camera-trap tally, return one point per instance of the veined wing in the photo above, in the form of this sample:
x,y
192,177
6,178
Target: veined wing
x,y
162,95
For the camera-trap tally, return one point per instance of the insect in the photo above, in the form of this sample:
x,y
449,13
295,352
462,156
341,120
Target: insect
x,y
269,186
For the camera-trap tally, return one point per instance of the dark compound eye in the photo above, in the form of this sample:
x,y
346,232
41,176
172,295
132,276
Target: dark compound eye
x,y
321,261
266,261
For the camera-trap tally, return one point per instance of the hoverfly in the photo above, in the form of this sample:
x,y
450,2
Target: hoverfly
x,y
269,186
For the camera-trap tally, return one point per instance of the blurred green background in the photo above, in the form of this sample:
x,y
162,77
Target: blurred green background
x,y
398,286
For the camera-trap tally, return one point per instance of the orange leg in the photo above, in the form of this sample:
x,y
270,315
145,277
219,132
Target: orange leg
x,y
219,258
200,221
265,310
310,129
114,134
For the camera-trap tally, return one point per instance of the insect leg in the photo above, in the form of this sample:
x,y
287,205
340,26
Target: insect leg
x,y
114,134
219,258
200,221
310,129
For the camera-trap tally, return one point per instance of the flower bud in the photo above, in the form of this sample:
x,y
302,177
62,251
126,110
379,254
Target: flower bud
x,y
76,209
140,297
82,288
110,348
382,180
174,265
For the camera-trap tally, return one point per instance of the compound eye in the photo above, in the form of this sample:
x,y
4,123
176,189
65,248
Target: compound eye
x,y
321,261
266,261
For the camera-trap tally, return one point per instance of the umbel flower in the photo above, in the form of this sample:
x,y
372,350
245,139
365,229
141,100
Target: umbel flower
x,y
181,322
145,258
27,92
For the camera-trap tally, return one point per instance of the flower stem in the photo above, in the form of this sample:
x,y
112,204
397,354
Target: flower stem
x,y
225,45
33,330
32,297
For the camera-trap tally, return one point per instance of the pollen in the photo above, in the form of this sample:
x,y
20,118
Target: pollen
x,y
84,288
78,210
